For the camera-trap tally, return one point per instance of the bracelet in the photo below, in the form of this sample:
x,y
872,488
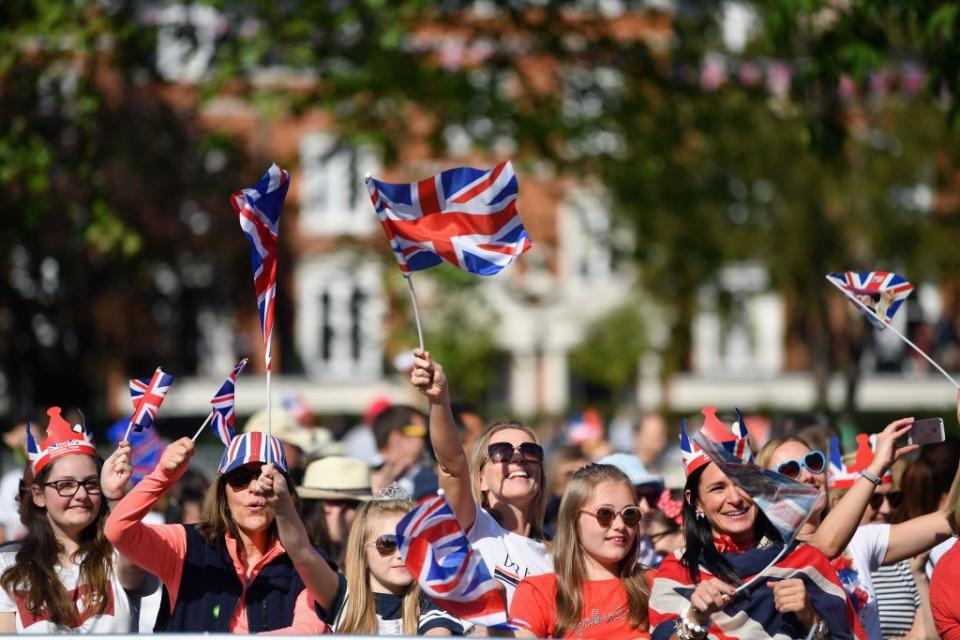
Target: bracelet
x,y
819,630
872,478
686,629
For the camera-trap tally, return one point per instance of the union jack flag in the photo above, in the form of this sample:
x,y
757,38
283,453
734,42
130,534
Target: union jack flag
x,y
146,397
449,571
254,446
224,419
467,217
880,291
259,212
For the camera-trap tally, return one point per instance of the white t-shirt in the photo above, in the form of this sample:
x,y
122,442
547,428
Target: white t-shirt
x,y
115,619
936,553
509,557
867,549
9,511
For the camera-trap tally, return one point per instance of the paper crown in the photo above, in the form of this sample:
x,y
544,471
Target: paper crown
x,y
733,440
252,447
62,440
842,476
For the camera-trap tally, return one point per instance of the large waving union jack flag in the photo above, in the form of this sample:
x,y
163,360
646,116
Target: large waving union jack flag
x,y
259,212
467,217
222,406
146,397
440,558
882,292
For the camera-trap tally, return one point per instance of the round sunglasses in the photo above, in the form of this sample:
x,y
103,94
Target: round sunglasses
x,y
606,515
386,544
895,498
814,462
503,452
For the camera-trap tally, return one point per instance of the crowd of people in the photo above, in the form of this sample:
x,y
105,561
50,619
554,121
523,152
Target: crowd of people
x,y
296,532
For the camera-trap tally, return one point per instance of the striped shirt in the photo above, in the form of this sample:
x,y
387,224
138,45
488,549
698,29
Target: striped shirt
x,y
897,598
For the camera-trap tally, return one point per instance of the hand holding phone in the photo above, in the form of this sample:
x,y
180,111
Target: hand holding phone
x,y
926,431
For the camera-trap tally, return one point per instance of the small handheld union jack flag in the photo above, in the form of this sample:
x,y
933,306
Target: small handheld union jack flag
x,y
467,217
447,568
146,397
259,212
222,404
880,292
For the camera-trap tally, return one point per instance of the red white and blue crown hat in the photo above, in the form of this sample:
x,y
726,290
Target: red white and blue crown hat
x,y
733,440
842,476
252,447
62,439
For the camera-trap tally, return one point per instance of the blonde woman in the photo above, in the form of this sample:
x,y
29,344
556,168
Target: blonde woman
x,y
381,595
499,496
598,590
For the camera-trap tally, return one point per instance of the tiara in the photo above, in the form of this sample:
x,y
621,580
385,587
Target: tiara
x,y
393,491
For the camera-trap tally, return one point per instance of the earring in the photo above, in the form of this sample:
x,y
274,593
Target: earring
x,y
700,514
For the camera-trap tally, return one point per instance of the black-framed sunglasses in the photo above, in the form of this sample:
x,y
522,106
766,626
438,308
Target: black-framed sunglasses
x,y
895,498
814,462
69,488
240,478
386,544
605,516
503,452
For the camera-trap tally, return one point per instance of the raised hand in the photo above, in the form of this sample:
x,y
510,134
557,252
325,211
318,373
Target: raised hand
x,y
428,376
176,456
272,485
886,451
116,472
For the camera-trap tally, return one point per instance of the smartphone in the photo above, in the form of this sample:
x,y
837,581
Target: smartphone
x,y
926,431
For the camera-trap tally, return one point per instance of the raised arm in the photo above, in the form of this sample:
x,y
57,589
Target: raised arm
x,y
837,529
114,478
320,579
453,470
159,549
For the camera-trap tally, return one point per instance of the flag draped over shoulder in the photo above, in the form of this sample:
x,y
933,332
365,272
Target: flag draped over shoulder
x,y
786,502
467,217
146,396
441,560
222,406
259,211
882,292
752,614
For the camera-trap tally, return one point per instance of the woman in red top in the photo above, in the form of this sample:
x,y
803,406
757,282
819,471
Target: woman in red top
x,y
598,589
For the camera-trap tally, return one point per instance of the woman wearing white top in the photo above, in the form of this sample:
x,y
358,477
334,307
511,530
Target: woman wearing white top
x,y
499,496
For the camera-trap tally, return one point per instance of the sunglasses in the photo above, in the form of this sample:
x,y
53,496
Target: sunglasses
x,y
240,478
606,515
895,498
414,430
814,462
386,544
503,452
70,488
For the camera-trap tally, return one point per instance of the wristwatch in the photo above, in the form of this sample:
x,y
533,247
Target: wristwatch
x,y
872,478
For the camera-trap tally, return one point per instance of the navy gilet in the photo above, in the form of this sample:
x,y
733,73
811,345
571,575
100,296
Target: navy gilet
x,y
210,590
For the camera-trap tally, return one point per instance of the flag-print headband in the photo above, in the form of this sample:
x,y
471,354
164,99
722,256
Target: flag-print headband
x,y
62,440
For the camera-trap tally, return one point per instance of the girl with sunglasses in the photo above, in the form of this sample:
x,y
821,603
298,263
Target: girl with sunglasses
x,y
499,496
381,597
66,577
247,566
598,589
857,550
728,541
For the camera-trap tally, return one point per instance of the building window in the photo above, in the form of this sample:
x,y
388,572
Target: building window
x,y
339,333
334,197
186,40
585,234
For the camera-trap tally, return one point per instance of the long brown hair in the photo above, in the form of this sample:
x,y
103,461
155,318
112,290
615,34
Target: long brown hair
x,y
33,575
216,519
479,458
568,553
360,617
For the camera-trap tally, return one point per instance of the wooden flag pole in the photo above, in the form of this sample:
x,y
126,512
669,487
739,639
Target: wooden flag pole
x,y
269,417
904,338
416,309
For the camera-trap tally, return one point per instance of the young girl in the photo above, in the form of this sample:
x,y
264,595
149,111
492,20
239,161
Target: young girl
x,y
597,590
381,595
500,495
66,576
